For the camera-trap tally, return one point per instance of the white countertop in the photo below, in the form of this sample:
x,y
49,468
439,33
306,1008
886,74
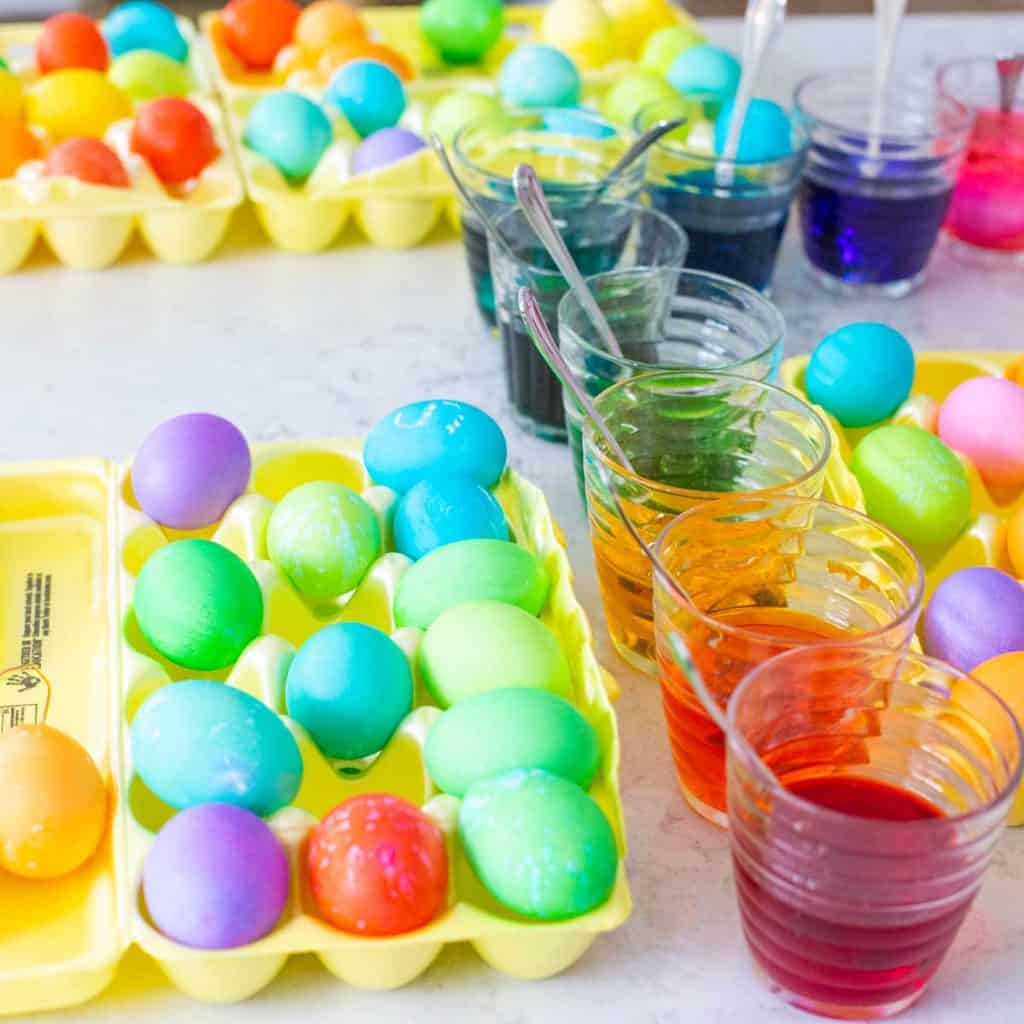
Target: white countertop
x,y
291,346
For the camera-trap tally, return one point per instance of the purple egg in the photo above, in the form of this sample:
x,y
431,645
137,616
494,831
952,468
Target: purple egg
x,y
215,878
385,147
974,615
189,469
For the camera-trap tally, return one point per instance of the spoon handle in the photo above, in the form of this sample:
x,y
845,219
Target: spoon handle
x,y
888,17
1009,70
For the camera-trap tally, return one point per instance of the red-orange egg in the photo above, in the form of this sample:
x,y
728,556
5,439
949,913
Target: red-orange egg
x,y
88,160
257,30
71,40
17,145
175,137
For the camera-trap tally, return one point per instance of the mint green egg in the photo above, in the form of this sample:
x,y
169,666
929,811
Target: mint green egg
x,y
324,537
198,604
664,46
500,731
486,645
466,571
539,844
147,75
913,484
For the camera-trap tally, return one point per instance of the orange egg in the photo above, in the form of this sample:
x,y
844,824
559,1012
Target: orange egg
x,y
327,22
175,137
1015,541
362,49
17,146
1005,675
71,40
54,808
88,160
294,58
257,30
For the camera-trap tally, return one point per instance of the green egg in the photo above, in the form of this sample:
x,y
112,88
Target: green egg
x,y
487,645
503,730
470,570
662,47
198,604
458,109
146,75
636,90
324,537
913,484
539,844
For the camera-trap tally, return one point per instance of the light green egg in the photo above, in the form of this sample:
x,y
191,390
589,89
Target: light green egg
x,y
539,844
662,48
147,75
636,90
487,645
458,109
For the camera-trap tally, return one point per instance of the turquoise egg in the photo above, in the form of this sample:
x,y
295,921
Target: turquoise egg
x,y
349,686
861,374
443,510
369,94
291,131
143,25
584,124
199,742
708,70
437,437
539,76
766,135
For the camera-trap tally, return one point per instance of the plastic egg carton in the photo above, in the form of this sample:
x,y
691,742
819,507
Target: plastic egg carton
x,y
75,524
983,542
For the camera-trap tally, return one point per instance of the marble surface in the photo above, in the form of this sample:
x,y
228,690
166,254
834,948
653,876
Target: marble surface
x,y
291,346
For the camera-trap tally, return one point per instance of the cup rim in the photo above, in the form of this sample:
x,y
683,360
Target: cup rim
x,y
723,377
943,70
779,331
736,741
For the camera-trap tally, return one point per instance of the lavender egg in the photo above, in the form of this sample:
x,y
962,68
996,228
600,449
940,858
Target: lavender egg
x,y
385,147
215,878
189,469
974,615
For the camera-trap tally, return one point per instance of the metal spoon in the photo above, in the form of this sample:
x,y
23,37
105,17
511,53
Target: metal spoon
x,y
636,150
1010,70
538,215
888,17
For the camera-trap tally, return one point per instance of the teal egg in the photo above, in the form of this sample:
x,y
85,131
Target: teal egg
x,y
289,130
199,742
198,604
861,373
324,537
766,135
707,70
144,25
369,94
500,731
539,844
467,571
349,686
584,124
539,76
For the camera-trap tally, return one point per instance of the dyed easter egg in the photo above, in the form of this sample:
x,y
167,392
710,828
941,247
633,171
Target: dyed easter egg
x,y
291,131
384,148
466,571
369,94
71,40
459,109
635,21
198,604
87,160
12,94
500,731
1004,674
509,647
76,102
538,844
861,373
349,686
581,123
146,74
913,484
377,866
582,30
462,31
1015,541
200,742
539,76
324,537
974,615
984,418
437,437
216,877
442,510
144,25
664,46
54,810
766,133
634,91
189,469
175,138
17,146
340,54
257,30
326,22
705,70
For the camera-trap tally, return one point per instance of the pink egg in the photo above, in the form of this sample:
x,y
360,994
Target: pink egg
x,y
984,419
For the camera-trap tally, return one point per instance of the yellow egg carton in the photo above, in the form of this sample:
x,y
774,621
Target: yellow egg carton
x,y
72,541
983,542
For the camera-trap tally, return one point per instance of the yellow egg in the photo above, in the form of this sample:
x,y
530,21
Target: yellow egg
x,y
1005,675
634,21
12,95
581,29
75,102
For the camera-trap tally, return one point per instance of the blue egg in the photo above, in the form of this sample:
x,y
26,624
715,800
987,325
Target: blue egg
x,y
143,25
705,69
861,374
443,510
539,76
369,94
581,123
437,437
766,135
349,686
291,131
199,741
